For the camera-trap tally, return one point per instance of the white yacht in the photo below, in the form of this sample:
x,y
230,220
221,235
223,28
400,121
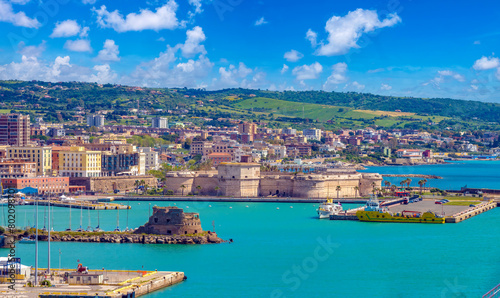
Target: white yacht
x,y
329,208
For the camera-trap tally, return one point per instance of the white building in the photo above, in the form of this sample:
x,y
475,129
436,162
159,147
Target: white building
x,y
159,122
279,151
152,161
312,134
289,131
95,120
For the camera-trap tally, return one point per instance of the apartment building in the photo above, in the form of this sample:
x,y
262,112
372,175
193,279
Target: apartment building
x,y
77,162
42,156
15,129
17,169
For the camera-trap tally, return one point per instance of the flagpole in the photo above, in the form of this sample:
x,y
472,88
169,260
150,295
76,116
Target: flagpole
x,y
48,257
36,242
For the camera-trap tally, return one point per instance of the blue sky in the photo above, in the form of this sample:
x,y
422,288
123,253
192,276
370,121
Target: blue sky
x,y
395,47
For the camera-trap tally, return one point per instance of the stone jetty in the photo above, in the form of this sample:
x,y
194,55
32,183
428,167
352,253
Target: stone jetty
x,y
413,176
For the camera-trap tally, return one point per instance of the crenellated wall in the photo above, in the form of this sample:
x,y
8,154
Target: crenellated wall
x,y
245,180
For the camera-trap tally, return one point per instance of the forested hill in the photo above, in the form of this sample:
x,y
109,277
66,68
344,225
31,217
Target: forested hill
x,y
463,109
69,95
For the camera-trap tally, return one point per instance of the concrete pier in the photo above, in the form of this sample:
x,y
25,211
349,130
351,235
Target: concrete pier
x,y
452,213
114,284
79,205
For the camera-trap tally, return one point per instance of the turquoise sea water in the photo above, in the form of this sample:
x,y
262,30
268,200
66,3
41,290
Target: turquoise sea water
x,y
287,252
475,174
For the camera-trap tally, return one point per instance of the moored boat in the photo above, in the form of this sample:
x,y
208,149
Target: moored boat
x,y
328,208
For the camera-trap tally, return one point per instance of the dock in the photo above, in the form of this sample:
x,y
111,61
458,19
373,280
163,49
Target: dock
x,y
105,283
241,199
79,205
452,213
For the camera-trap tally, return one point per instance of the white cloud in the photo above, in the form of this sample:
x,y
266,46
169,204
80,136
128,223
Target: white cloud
x,y
293,56
67,28
104,74
109,51
486,63
260,22
165,70
344,32
476,42
163,18
192,45
20,19
30,68
358,86
385,87
88,1
20,2
449,73
284,69
31,51
79,45
337,77
307,72
312,37
230,76
197,8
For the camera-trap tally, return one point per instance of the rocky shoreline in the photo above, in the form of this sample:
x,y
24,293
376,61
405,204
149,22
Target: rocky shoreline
x,y
127,238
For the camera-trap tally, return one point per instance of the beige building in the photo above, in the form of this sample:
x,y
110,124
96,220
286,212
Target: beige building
x,y
77,162
42,156
17,169
246,180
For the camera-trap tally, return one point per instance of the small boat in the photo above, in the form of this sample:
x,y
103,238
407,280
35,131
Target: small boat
x,y
27,240
328,208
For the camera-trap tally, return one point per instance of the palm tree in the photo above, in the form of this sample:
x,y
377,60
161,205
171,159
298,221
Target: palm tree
x,y
393,188
420,183
217,190
338,189
136,185
408,181
356,190
198,188
387,184
183,187
425,182
373,187
402,183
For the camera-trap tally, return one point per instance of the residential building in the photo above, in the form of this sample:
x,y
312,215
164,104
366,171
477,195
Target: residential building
x,y
247,128
17,169
312,134
159,122
95,120
56,132
122,164
409,153
289,131
42,184
152,161
200,147
15,129
42,156
77,162
217,158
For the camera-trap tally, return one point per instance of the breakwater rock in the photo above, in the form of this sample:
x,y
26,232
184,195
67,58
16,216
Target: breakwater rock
x,y
413,176
110,237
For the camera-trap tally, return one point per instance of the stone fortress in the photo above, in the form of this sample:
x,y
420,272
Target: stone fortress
x,y
171,221
246,180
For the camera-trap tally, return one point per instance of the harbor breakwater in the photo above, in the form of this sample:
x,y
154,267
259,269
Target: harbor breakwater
x,y
105,237
413,176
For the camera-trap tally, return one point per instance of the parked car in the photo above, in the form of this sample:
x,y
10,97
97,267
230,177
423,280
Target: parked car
x,y
438,202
